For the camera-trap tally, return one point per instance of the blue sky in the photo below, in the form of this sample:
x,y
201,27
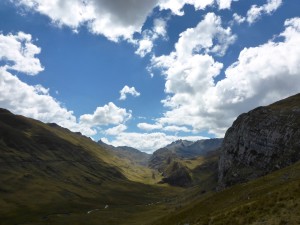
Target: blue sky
x,y
146,73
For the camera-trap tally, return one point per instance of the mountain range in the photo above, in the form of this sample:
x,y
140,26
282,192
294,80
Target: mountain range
x,y
50,175
131,154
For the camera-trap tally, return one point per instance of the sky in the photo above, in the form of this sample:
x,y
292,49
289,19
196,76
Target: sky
x,y
146,73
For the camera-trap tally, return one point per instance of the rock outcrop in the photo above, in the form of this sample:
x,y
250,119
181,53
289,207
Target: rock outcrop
x,y
260,141
177,174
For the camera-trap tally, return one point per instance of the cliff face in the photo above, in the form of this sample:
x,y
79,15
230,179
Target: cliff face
x,y
261,141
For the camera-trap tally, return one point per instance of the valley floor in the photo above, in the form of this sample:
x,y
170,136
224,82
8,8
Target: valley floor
x,y
273,200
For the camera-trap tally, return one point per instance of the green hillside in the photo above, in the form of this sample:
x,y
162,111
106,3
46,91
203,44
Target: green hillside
x,y
273,199
49,173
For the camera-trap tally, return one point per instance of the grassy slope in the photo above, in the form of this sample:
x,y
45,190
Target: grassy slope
x,y
272,199
49,173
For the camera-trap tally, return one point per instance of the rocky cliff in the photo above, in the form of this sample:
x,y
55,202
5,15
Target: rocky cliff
x,y
260,141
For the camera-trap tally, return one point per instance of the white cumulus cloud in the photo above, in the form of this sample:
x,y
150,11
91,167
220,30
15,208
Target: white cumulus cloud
x,y
149,127
255,12
113,19
190,71
116,130
176,129
224,4
145,44
128,90
18,52
118,19
238,19
105,115
176,5
260,76
207,37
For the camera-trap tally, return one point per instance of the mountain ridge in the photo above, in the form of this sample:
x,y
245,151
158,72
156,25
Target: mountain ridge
x,y
125,152
174,160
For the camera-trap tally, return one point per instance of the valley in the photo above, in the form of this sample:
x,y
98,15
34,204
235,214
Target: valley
x,y
50,175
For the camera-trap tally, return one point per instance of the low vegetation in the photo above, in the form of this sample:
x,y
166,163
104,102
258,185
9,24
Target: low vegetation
x,y
272,199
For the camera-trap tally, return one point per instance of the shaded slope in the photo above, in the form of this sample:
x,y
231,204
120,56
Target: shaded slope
x,y
177,174
204,170
26,141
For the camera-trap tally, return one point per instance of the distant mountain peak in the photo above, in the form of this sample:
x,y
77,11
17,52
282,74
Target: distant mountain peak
x,y
186,149
100,141
134,155
180,142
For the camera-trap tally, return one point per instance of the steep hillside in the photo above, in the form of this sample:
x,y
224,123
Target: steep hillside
x,y
260,141
204,170
49,174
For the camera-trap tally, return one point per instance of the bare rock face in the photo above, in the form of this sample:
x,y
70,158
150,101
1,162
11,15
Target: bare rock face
x,y
261,141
